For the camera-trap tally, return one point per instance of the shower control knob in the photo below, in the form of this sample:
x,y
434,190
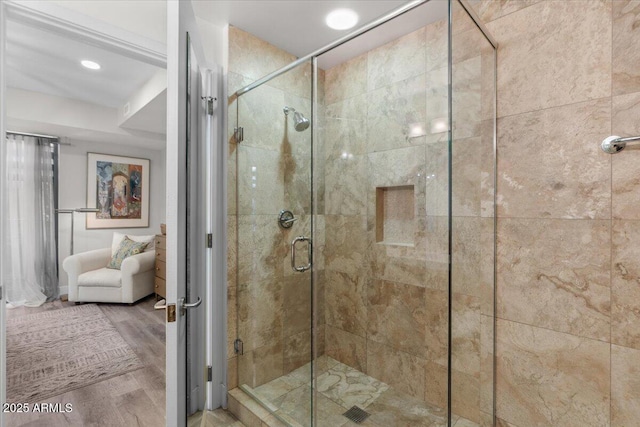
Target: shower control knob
x,y
286,219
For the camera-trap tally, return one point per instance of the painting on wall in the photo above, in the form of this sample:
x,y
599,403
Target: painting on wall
x,y
119,187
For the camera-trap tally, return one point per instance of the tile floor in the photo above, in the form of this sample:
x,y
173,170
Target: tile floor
x,y
339,388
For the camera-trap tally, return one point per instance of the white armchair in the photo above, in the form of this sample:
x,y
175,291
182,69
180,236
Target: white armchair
x,y
91,281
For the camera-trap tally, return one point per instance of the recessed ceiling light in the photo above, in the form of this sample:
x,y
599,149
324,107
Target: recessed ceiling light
x,y
90,64
342,19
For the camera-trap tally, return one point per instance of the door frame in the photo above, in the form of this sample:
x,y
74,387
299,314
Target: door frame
x,y
3,327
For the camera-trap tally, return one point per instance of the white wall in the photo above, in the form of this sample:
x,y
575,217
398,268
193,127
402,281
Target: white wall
x,y
72,193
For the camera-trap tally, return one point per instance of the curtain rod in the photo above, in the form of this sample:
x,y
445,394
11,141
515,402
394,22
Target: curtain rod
x,y
55,139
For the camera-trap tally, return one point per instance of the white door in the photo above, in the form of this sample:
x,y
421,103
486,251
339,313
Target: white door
x,y
3,352
191,262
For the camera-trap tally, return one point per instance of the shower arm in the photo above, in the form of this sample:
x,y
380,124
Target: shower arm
x,y
614,144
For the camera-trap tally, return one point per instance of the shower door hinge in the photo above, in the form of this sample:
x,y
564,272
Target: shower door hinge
x,y
239,134
209,240
0,293
209,373
238,346
209,100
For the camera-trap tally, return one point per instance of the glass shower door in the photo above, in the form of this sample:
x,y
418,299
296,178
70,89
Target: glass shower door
x,y
273,286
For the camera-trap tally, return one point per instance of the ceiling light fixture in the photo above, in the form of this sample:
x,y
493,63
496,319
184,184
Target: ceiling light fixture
x,y
90,64
342,19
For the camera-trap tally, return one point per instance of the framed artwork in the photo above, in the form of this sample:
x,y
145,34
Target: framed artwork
x,y
119,187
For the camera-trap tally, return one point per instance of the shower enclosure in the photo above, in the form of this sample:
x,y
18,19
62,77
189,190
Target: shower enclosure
x,y
362,227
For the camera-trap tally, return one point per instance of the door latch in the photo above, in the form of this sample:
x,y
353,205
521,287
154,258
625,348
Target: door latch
x,y
169,309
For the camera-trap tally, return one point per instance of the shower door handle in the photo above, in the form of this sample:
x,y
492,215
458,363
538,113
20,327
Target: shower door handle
x,y
293,254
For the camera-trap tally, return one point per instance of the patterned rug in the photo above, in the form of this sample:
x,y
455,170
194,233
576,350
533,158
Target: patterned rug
x,y
52,352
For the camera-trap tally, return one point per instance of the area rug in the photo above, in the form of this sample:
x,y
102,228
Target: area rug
x,y
52,352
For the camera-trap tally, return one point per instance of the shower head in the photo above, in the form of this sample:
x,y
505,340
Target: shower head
x,y
300,122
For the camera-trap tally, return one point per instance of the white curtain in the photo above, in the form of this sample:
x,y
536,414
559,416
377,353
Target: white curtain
x,y
29,249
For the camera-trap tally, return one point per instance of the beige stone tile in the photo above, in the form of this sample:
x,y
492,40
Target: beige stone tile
x,y
437,312
297,305
467,177
354,108
437,179
551,165
237,401
532,74
548,378
555,274
437,45
346,304
625,386
470,251
261,249
261,180
346,243
465,396
255,58
436,384
625,186
297,405
437,113
625,294
296,81
260,113
260,313
347,348
465,335
232,251
392,171
345,137
345,188
319,297
259,366
397,316
626,35
346,80
319,242
297,350
232,373
400,59
489,10
503,423
394,111
402,371
394,408
232,177
402,264
348,387
220,418
232,320
487,337
467,98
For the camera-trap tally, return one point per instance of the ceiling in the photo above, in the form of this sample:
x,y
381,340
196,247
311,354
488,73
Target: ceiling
x,y
44,62
298,27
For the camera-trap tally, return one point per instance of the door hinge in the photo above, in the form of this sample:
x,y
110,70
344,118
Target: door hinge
x,y
209,373
238,133
238,346
0,293
209,240
209,100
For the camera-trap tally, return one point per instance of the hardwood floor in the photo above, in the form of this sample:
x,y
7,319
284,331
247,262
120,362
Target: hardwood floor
x,y
133,399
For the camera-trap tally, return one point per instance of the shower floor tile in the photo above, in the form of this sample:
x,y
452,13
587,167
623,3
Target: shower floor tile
x,y
339,388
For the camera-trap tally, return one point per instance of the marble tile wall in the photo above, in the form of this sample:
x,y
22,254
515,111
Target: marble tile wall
x,y
386,300
568,337
269,305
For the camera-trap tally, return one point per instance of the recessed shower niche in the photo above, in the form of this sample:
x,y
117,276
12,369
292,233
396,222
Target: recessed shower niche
x,y
395,219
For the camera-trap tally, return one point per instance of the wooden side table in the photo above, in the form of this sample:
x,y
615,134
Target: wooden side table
x,y
161,266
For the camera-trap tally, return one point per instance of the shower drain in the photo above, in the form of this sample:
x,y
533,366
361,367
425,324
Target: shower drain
x,y
357,415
